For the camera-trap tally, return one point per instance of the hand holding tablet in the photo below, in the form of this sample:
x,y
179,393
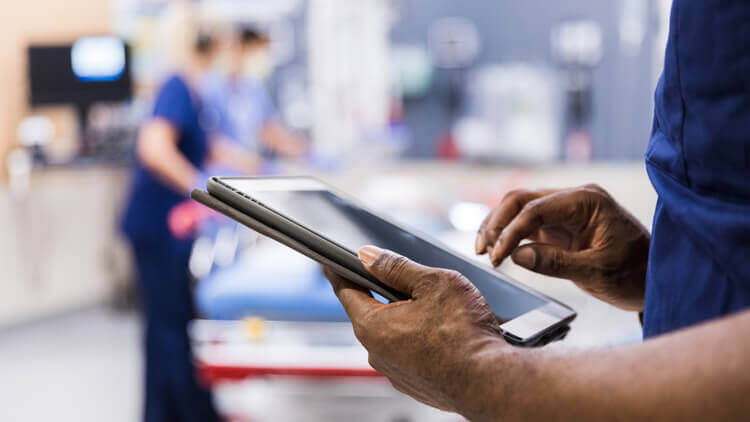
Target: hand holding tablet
x,y
308,216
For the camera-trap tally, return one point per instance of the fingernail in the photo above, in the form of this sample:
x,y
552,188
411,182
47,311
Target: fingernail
x,y
525,257
495,254
368,254
480,245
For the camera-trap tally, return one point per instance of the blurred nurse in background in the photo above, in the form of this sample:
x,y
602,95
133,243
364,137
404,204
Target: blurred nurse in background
x,y
173,152
239,99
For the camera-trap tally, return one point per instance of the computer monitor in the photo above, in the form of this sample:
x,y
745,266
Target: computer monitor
x,y
91,70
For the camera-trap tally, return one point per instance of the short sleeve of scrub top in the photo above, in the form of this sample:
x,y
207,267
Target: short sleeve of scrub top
x,y
266,110
150,201
174,105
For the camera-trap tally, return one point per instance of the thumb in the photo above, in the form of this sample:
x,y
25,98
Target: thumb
x,y
392,269
551,260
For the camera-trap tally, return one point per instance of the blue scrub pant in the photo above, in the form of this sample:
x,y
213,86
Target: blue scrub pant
x,y
171,388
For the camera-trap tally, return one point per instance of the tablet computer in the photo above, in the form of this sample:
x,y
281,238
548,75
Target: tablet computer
x,y
316,220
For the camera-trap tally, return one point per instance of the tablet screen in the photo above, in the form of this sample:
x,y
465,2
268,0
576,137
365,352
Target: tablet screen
x,y
352,227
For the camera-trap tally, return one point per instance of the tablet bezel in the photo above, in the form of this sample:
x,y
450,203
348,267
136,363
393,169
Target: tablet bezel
x,y
522,330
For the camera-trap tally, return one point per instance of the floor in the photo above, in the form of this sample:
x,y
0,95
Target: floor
x,y
84,366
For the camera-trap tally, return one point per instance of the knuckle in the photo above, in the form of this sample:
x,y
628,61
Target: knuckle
x,y
516,197
557,263
593,187
453,277
453,286
394,266
583,197
553,262
515,194
492,234
532,206
429,281
595,193
532,209
593,200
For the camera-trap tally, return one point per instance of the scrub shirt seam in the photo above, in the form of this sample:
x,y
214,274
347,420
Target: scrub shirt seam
x,y
682,96
689,234
697,190
664,171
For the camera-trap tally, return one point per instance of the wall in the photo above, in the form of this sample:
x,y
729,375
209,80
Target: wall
x,y
348,99
519,31
22,22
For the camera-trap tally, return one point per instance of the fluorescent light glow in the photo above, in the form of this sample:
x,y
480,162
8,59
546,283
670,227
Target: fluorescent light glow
x,y
98,59
467,216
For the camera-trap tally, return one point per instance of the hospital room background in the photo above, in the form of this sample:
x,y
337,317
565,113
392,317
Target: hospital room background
x,y
428,111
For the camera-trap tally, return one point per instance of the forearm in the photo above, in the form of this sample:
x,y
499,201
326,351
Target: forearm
x,y
282,141
224,153
700,373
174,170
157,150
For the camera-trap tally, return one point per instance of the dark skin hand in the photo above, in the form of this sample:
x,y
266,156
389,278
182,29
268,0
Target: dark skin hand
x,y
580,234
464,327
443,346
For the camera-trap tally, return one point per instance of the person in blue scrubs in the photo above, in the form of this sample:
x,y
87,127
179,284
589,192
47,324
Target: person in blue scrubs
x,y
239,99
688,280
173,152
173,139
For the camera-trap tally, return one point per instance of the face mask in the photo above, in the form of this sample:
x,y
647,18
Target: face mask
x,y
258,65
223,63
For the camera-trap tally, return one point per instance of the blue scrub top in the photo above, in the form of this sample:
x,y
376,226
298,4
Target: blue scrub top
x,y
150,199
239,107
698,160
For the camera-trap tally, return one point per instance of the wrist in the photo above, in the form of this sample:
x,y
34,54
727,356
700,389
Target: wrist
x,y
492,385
199,182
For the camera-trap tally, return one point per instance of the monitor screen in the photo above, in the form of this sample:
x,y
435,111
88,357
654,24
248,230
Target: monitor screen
x,y
92,69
